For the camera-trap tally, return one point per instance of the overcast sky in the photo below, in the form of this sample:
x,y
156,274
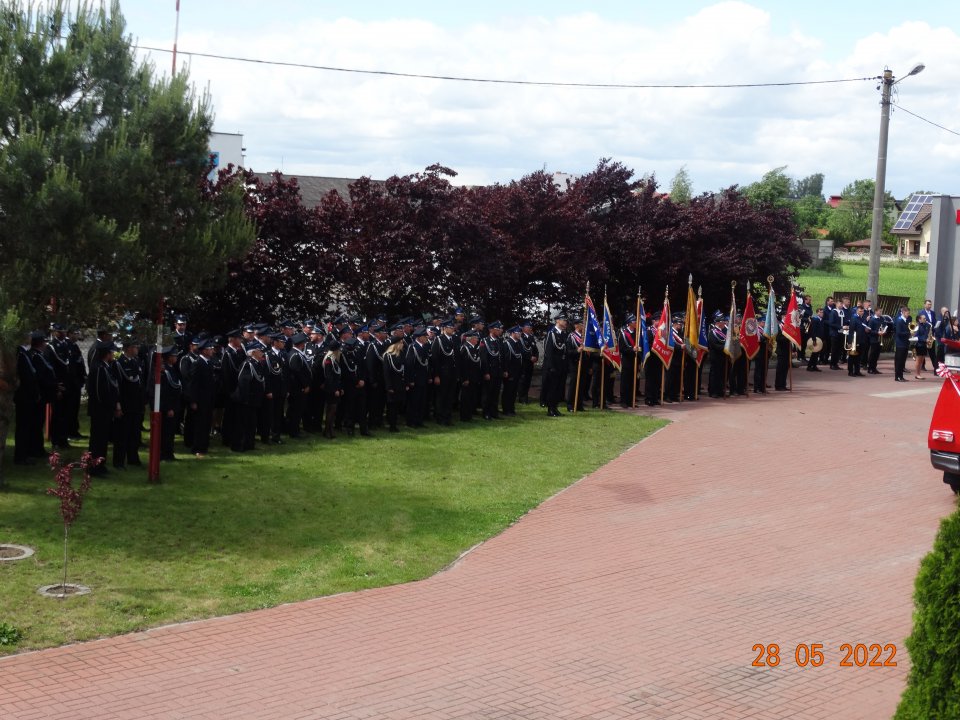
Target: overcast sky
x,y
315,122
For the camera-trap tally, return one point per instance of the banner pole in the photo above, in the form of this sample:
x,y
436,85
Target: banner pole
x,y
576,390
636,348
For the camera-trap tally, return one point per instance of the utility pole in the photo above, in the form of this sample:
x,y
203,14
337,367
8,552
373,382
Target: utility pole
x,y
873,274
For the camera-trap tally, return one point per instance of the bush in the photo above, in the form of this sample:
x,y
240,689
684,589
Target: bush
x,y
9,635
933,687
830,265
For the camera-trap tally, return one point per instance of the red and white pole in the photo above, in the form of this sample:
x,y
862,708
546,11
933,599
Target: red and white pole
x,y
153,467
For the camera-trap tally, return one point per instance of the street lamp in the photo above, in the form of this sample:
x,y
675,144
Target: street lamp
x,y
873,275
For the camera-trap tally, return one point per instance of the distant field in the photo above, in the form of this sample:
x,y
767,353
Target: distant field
x,y
909,279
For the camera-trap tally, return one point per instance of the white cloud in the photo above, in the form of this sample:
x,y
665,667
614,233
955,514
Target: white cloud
x,y
348,124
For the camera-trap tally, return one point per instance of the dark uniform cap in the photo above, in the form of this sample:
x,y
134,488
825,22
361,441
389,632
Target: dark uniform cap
x,y
332,343
208,343
351,343
718,316
495,325
449,323
253,345
180,319
420,333
236,332
73,328
264,329
575,319
340,319
298,338
527,324
561,316
56,326
395,340
169,350
287,324
631,318
677,317
363,328
196,341
458,311
105,347
475,320
471,334
515,329
36,336
249,328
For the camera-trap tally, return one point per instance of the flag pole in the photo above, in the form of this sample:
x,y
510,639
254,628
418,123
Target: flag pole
x,y
603,345
696,390
668,328
746,370
636,348
576,390
790,367
686,333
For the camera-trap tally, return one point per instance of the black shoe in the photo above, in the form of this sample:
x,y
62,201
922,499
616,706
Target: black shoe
x,y
878,372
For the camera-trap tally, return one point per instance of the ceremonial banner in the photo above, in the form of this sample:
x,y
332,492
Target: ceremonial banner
x,y
791,320
702,343
749,340
610,349
591,327
663,344
731,346
643,339
770,324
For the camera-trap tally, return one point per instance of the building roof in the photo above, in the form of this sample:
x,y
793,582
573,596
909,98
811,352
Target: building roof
x,y
313,188
911,220
864,244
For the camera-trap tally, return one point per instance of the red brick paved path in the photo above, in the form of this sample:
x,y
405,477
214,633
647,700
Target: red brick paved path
x,y
637,593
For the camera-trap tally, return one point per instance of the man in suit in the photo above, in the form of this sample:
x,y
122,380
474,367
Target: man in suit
x,y
901,343
531,355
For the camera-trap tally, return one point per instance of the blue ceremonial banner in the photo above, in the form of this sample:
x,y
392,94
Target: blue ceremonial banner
x,y
610,349
642,335
591,327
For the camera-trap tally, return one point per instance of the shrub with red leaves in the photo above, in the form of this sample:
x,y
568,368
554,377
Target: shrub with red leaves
x,y
71,498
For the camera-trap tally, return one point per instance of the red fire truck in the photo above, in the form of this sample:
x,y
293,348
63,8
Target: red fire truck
x,y
943,439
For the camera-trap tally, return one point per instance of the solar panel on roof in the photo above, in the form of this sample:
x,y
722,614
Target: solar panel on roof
x,y
905,221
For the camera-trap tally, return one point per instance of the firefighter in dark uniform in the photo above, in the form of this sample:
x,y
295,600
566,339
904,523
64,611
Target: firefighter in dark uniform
x,y
251,388
394,385
491,363
126,428
531,356
470,374
627,343
716,339
444,367
103,403
577,360
554,365
512,355
332,385
417,377
653,370
171,396
74,388
203,390
299,379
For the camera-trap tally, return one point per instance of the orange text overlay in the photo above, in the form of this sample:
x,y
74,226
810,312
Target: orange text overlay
x,y
814,655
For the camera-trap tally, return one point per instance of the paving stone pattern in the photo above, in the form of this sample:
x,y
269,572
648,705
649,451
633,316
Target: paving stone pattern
x,y
637,593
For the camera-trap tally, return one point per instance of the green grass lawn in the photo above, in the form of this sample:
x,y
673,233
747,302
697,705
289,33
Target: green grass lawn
x,y
310,518
907,279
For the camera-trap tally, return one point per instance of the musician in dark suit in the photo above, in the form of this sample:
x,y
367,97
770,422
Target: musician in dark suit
x,y
901,343
856,334
815,332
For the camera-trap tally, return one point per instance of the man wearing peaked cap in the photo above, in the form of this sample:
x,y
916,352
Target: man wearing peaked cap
x,y
512,354
299,383
200,396
180,337
716,339
629,359
444,367
531,354
470,374
103,403
491,365
554,365
417,377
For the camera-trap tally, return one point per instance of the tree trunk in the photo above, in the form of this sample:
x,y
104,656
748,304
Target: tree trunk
x,y
8,383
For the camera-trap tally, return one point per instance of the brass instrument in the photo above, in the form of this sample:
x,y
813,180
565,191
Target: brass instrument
x,y
850,347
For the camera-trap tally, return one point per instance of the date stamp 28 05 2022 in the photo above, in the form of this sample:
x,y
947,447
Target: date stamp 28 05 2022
x,y
872,655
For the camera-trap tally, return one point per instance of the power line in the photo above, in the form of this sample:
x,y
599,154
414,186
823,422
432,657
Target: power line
x,y
920,117
389,73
